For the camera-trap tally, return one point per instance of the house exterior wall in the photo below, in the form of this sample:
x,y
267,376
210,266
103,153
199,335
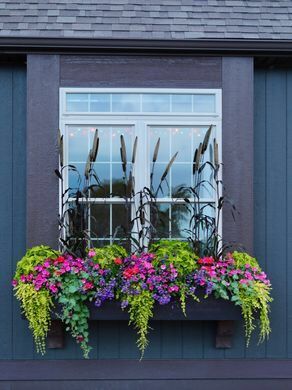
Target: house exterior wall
x,y
170,341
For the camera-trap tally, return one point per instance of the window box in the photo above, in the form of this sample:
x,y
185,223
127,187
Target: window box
x,y
209,309
223,312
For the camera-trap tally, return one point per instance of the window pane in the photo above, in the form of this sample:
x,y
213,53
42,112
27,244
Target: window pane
x,y
207,220
161,188
78,144
164,149
77,102
125,102
120,185
121,220
181,142
180,220
156,103
100,102
204,103
100,220
181,103
76,178
104,134
180,177
103,189
160,219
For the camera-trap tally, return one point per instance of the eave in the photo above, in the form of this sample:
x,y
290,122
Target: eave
x,y
242,47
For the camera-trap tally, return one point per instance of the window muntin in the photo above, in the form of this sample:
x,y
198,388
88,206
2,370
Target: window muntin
x,y
176,134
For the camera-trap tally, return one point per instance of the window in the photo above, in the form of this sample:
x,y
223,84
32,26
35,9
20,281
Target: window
x,y
179,118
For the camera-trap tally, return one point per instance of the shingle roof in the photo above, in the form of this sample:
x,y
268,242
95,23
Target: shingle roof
x,y
147,19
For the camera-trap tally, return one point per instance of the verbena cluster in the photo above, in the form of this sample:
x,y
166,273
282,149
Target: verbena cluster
x,y
138,282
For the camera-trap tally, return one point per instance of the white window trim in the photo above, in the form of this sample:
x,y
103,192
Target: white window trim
x,y
140,121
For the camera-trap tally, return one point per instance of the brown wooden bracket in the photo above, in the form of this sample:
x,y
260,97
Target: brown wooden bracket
x,y
55,337
224,333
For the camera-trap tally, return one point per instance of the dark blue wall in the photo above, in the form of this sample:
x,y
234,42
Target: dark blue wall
x,y
273,196
175,340
13,334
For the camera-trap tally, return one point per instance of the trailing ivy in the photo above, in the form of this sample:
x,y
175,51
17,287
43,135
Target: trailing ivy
x,y
75,313
36,306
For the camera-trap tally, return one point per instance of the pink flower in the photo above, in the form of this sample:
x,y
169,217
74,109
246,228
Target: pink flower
x,y
173,288
91,253
53,288
248,275
14,282
87,286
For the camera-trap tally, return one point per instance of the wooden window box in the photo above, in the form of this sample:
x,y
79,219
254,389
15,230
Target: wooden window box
x,y
222,311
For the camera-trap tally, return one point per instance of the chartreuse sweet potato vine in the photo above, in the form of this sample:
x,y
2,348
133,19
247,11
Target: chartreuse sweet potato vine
x,y
169,271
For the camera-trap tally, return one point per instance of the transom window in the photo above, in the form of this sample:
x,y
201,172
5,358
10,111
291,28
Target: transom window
x,y
177,120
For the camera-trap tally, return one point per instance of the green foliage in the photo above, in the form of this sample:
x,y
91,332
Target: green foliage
x,y
141,310
36,306
75,313
107,254
34,256
253,299
242,258
179,253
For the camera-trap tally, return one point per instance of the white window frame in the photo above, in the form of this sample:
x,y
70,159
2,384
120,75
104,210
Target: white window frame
x,y
141,121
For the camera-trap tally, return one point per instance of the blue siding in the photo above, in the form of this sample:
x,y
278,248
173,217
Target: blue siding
x,y
15,340
273,185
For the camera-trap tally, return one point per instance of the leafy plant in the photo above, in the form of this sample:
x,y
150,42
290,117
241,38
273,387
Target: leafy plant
x,y
178,253
255,299
75,313
36,306
34,256
106,255
242,258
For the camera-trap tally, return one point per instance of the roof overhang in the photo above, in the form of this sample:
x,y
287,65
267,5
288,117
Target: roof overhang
x,y
254,47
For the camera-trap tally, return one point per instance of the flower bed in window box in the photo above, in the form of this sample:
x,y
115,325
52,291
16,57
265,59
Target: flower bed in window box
x,y
169,283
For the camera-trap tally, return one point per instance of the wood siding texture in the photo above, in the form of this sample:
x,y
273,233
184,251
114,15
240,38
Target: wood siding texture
x,y
15,338
42,149
140,72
